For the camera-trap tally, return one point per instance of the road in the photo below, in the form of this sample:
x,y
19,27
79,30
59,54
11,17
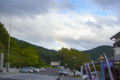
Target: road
x,y
50,71
29,76
49,74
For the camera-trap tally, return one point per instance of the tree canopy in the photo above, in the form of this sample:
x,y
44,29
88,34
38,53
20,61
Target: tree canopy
x,y
72,57
23,53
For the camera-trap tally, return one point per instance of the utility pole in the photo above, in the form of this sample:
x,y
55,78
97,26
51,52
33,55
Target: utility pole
x,y
7,64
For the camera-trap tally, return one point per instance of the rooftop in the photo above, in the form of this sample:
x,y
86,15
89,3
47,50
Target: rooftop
x,y
115,36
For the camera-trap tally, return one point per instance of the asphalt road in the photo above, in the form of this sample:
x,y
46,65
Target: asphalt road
x,y
50,71
49,74
28,76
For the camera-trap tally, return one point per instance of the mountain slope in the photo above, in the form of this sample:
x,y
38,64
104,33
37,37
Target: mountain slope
x,y
45,54
96,52
23,53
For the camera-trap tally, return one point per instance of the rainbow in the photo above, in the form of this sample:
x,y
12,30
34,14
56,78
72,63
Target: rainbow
x,y
60,42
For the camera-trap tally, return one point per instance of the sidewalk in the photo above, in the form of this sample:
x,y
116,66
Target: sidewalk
x,y
3,74
12,71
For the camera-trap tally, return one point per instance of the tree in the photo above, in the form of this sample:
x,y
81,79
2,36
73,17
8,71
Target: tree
x,y
67,56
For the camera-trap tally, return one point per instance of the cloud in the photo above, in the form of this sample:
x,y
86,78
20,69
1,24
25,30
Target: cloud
x,y
66,5
112,5
39,21
108,3
27,7
30,8
80,31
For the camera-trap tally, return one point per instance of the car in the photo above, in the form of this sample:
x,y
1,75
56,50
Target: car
x,y
42,69
84,77
63,72
26,70
77,73
35,70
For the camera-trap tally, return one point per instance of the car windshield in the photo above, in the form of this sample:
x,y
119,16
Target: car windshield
x,y
62,69
25,68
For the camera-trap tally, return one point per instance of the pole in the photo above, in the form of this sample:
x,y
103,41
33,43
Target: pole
x,y
81,71
7,64
110,72
102,70
74,68
74,65
95,70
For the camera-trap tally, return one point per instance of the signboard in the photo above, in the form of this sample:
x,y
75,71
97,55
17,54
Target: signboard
x,y
55,63
110,62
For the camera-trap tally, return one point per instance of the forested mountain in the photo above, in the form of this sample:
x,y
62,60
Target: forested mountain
x,y
45,54
23,53
96,52
66,55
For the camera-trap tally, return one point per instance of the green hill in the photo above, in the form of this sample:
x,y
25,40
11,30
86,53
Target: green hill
x,y
23,53
96,52
45,54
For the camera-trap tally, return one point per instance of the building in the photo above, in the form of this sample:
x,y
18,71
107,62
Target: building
x,y
55,63
116,46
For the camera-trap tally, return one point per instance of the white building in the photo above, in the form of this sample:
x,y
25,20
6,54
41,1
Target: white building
x,y
55,63
116,46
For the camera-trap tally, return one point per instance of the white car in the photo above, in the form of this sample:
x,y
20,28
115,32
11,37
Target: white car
x,y
35,70
77,73
26,70
63,72
42,69
84,77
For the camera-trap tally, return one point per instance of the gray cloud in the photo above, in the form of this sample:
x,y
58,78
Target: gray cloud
x,y
112,5
108,3
32,7
26,7
80,31
105,21
73,30
66,5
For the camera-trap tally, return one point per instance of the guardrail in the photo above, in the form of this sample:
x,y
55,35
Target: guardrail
x,y
11,71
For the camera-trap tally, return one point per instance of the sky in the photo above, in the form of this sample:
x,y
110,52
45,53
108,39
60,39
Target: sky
x,y
53,24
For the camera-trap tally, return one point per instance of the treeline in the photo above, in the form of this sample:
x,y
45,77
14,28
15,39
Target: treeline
x,y
72,58
96,52
23,53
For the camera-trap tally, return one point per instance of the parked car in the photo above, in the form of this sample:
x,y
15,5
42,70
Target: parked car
x,y
42,69
77,73
35,69
26,70
63,72
84,77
